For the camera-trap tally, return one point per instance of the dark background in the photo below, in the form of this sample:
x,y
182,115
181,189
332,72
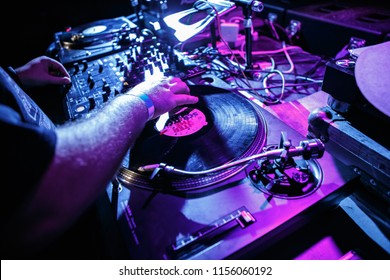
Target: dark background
x,y
29,27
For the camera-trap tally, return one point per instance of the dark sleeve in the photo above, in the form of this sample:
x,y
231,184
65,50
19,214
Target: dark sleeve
x,y
27,144
26,150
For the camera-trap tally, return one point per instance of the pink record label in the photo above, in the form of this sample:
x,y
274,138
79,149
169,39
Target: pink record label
x,y
183,123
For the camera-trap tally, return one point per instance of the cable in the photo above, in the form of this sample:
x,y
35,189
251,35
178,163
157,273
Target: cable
x,y
286,85
266,88
288,59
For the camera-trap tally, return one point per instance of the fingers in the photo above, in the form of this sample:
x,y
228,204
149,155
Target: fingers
x,y
177,86
57,69
60,69
57,78
183,99
174,79
180,90
63,80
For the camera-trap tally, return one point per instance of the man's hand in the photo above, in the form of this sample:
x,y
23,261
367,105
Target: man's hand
x,y
42,71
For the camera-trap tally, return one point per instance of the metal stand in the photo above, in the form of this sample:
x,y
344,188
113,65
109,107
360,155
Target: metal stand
x,y
248,36
213,32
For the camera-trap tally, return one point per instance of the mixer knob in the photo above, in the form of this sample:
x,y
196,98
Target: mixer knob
x,y
159,65
100,65
105,97
85,64
128,70
89,78
92,103
163,59
153,58
150,67
153,49
118,61
145,61
137,51
76,67
91,83
129,57
106,88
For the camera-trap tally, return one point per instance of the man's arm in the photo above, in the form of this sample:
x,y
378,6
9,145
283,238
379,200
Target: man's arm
x,y
87,156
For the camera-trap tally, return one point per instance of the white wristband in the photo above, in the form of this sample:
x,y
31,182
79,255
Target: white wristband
x,y
148,102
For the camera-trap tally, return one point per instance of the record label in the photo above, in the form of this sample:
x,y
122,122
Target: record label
x,y
185,122
93,30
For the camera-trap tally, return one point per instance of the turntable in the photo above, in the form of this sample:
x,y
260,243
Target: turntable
x,y
225,187
94,39
356,113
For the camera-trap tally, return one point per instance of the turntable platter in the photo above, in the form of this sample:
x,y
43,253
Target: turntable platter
x,y
96,34
371,72
222,127
93,39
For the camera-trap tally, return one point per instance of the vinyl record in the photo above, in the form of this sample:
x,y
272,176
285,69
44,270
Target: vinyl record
x,y
222,127
94,34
